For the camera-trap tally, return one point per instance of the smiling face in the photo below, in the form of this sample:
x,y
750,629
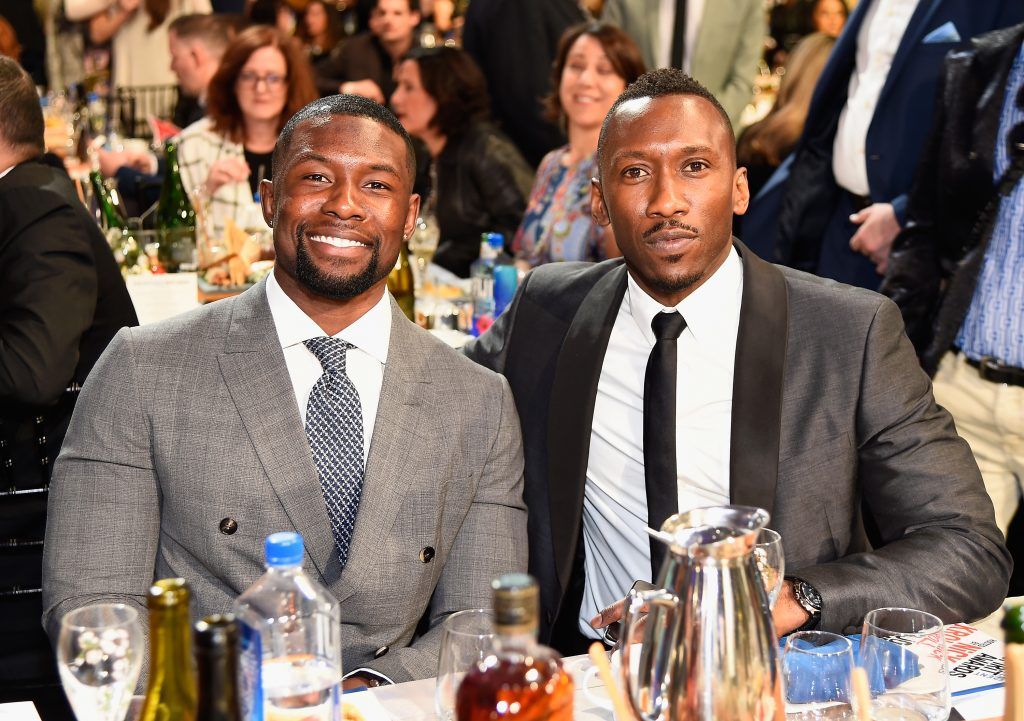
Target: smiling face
x,y
669,187
262,84
413,105
340,206
589,84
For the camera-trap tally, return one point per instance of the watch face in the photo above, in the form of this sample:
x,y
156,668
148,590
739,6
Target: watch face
x,y
810,596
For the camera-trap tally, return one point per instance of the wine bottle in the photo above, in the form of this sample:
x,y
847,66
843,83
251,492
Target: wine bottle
x,y
175,218
171,694
216,640
1013,629
523,679
400,283
108,203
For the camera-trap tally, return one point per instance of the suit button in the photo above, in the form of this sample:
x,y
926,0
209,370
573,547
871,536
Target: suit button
x,y
874,156
228,526
381,651
427,554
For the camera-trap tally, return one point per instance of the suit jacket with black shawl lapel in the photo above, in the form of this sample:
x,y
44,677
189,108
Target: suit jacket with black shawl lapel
x,y
729,43
194,420
829,408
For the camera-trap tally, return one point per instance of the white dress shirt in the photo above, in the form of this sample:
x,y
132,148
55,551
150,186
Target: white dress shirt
x,y
618,550
877,41
666,26
4,173
364,364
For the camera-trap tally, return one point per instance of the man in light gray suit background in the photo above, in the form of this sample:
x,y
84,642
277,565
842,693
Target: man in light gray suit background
x,y
717,42
785,391
197,437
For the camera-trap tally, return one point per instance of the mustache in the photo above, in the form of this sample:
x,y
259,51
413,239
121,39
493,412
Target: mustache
x,y
670,223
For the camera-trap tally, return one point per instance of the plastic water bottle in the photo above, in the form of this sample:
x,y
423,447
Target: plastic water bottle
x,y
481,275
290,645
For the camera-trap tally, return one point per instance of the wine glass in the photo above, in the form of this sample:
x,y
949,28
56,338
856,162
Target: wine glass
x,y
99,655
904,654
771,562
422,244
467,638
816,669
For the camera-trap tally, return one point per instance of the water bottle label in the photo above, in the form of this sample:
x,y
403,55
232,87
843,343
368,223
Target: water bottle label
x,y
250,672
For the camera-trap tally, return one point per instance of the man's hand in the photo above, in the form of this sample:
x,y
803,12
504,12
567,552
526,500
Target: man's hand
x,y
231,169
878,229
366,88
788,615
111,160
353,682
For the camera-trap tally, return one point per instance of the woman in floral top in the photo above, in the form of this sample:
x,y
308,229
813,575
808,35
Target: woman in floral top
x,y
594,64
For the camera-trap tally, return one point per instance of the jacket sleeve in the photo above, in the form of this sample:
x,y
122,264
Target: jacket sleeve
x,y
739,87
492,541
915,273
923,488
48,292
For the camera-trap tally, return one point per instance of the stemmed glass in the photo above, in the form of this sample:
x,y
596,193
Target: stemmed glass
x,y
816,669
771,562
467,639
423,244
904,654
99,655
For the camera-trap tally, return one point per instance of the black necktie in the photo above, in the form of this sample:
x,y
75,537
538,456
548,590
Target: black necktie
x,y
660,429
679,35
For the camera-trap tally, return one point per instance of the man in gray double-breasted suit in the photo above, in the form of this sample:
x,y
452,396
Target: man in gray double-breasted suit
x,y
188,445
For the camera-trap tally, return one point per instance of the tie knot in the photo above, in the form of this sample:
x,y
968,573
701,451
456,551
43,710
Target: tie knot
x,y
330,352
667,326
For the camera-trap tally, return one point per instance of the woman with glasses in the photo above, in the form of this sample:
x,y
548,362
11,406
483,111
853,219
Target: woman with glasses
x,y
263,79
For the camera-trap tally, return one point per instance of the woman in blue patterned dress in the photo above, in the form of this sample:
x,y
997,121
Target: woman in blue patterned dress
x,y
594,64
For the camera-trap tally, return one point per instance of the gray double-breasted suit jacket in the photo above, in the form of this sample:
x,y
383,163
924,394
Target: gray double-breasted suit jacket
x,y
831,414
187,449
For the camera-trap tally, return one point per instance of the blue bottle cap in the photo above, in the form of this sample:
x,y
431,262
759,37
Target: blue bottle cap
x,y
495,240
284,549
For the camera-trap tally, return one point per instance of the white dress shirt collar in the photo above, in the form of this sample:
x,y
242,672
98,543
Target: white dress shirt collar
x,y
4,173
371,333
703,310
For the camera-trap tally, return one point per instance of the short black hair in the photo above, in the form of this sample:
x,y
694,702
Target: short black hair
x,y
342,105
21,122
414,5
656,84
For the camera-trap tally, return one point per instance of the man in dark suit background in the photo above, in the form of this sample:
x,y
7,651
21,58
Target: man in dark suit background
x,y
846,194
62,299
791,393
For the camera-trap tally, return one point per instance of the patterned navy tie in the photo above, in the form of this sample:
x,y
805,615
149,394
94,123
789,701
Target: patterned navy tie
x,y
334,427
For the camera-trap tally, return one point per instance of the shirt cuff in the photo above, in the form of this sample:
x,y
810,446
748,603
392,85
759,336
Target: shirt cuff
x,y
369,672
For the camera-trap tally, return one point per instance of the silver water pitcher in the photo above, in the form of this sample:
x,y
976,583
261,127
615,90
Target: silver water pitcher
x,y
702,646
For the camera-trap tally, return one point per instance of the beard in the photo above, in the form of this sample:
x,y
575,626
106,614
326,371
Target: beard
x,y
676,284
337,286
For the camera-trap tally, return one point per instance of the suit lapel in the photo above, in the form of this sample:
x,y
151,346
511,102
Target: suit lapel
x,y
397,443
908,43
757,383
571,411
254,370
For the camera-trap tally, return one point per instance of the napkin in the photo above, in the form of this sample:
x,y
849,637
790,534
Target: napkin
x,y
806,679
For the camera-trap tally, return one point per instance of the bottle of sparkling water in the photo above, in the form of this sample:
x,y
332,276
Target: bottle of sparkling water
x,y
290,645
481,275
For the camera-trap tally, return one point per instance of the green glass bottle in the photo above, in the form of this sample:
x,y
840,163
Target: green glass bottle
x,y
217,663
1013,624
400,283
171,694
108,203
175,218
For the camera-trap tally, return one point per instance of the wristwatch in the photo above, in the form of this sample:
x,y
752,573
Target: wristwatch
x,y
809,599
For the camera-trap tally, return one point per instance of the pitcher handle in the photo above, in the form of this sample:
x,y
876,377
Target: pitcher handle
x,y
648,679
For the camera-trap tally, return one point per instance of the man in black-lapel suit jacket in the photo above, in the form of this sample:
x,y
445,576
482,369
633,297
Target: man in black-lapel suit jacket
x,y
794,393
